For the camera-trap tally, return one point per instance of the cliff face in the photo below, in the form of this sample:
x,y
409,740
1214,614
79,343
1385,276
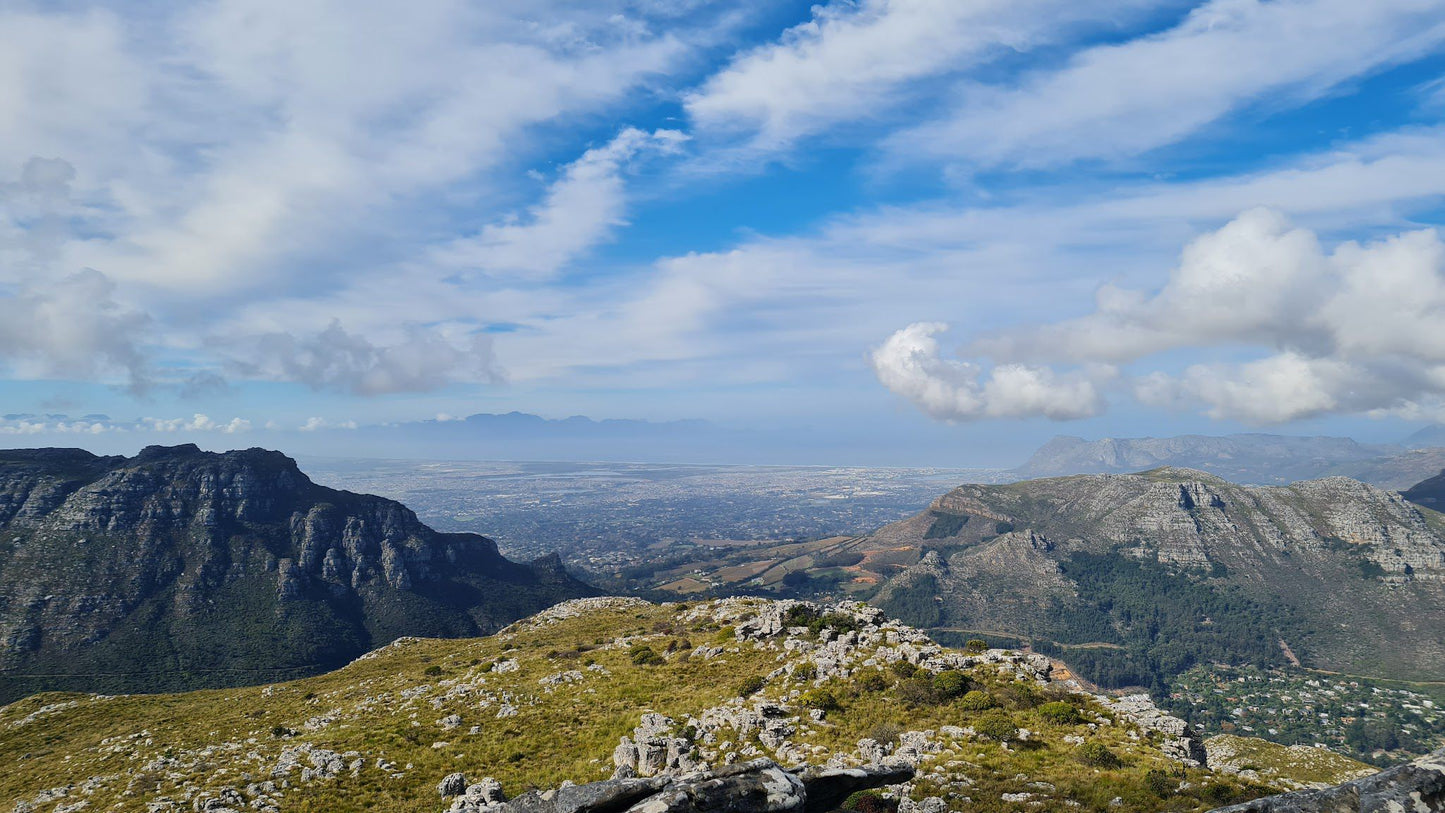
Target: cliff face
x,y
179,568
1357,571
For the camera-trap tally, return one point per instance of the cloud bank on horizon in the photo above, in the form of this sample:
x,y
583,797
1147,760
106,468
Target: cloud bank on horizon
x,y
1219,211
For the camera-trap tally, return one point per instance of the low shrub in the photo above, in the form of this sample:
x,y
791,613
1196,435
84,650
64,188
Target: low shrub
x,y
885,733
750,686
645,656
1059,712
903,669
916,691
870,801
873,681
977,701
1160,784
996,724
1095,755
950,684
820,697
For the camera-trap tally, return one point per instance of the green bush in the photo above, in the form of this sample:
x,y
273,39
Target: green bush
x,y
645,656
996,725
977,701
432,671
903,669
976,645
1160,784
1095,755
950,684
1059,712
872,681
820,697
870,801
1019,695
916,691
805,671
750,686
885,733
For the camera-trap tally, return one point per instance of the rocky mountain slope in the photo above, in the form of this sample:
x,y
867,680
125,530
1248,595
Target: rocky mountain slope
x,y
764,705
1143,575
179,568
1243,458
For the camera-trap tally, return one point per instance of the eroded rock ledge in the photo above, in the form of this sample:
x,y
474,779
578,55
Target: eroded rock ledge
x,y
1415,787
760,786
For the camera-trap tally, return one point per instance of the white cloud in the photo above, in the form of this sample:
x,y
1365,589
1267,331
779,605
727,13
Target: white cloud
x,y
1115,101
73,327
335,360
196,423
861,60
909,364
1359,330
239,154
580,210
99,425
317,423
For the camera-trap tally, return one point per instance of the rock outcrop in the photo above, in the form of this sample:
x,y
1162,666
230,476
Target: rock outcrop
x,y
1013,555
759,786
179,568
1415,787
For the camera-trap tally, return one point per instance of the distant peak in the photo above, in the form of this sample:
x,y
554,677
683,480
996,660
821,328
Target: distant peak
x,y
158,452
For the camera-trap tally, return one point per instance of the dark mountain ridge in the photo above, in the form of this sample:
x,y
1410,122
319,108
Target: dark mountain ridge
x,y
179,569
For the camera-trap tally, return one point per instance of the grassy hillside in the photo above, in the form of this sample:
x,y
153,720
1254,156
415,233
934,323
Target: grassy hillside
x,y
549,699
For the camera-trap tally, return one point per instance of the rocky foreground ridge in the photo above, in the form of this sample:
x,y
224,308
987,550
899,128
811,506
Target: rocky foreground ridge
x,y
658,700
179,568
762,786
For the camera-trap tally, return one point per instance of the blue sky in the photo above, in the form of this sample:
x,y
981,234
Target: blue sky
x,y
919,231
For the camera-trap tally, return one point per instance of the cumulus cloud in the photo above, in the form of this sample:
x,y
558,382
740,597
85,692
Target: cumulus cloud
x,y
1356,330
909,364
195,423
336,360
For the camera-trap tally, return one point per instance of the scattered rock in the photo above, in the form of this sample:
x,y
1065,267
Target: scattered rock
x,y
454,784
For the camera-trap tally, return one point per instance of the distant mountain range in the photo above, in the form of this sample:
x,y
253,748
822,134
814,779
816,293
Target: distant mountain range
x,y
1247,458
1136,577
179,568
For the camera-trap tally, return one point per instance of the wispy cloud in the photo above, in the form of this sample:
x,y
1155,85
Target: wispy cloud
x,y
1116,101
580,210
862,61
